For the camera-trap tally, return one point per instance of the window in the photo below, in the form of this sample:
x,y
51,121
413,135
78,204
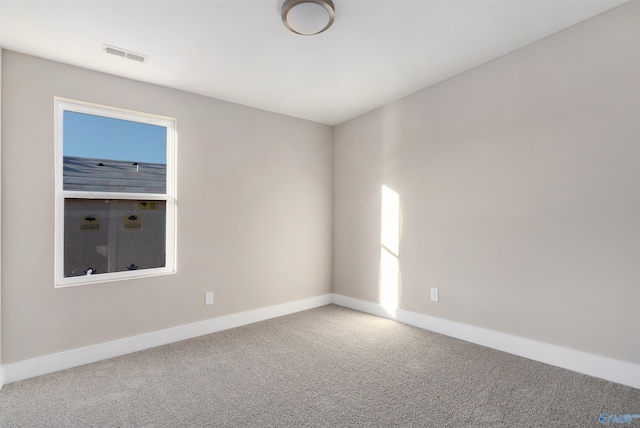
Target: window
x,y
115,193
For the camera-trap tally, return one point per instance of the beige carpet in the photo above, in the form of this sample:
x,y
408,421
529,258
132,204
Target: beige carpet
x,y
326,367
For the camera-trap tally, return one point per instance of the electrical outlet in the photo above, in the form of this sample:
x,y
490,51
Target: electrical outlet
x,y
208,299
435,295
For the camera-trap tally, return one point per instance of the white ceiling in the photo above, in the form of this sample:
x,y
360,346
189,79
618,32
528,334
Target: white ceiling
x,y
377,51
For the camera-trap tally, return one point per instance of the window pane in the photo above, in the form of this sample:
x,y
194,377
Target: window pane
x,y
102,154
102,235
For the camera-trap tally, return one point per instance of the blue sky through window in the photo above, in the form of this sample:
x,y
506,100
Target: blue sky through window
x,y
99,137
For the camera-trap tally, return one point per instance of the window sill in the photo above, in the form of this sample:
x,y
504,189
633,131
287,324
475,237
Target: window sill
x,y
111,277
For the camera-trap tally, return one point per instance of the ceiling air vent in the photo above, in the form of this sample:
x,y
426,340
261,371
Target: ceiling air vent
x,y
123,53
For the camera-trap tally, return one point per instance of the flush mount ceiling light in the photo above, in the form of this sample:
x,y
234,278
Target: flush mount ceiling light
x,y
308,17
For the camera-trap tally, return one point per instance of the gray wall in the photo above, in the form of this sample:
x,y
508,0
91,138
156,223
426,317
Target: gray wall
x,y
519,189
254,213
519,185
1,370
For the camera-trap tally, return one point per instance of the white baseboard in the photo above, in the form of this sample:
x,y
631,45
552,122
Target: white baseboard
x,y
76,357
593,365
578,361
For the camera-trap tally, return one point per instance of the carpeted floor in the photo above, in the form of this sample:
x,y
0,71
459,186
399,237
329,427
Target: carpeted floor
x,y
326,367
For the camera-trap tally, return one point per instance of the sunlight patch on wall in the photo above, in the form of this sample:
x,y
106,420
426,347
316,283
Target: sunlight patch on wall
x,y
389,250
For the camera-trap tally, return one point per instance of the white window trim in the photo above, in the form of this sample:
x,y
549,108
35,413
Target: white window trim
x,y
64,104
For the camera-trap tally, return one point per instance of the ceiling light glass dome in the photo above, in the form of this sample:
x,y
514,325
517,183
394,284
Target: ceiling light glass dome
x,y
308,17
